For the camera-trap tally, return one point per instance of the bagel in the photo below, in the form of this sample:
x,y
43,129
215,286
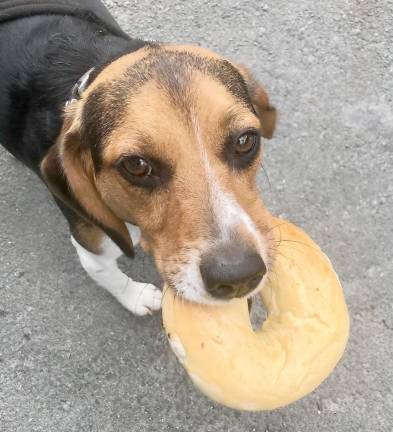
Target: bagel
x,y
298,346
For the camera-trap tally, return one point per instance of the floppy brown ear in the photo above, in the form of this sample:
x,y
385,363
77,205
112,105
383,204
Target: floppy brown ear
x,y
68,171
267,113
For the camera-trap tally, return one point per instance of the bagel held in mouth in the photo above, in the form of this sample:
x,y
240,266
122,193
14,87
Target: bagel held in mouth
x,y
298,346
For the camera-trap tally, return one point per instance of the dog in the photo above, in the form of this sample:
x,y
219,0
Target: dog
x,y
139,141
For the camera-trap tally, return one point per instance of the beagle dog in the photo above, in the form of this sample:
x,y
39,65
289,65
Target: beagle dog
x,y
139,141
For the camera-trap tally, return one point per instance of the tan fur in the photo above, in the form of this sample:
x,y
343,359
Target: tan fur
x,y
114,70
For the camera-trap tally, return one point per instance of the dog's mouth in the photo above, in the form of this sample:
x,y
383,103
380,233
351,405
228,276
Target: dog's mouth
x,y
191,282
239,289
203,297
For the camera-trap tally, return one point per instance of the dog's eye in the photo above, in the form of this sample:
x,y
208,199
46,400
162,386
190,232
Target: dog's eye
x,y
246,143
147,172
241,149
136,166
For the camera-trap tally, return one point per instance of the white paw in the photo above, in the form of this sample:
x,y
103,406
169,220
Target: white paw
x,y
141,298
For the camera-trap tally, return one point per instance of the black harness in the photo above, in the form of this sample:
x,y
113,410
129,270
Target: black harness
x,y
90,10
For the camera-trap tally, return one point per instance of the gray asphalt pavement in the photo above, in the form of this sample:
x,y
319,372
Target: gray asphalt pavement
x,y
72,359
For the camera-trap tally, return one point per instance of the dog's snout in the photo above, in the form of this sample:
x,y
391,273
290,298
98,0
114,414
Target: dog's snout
x,y
231,270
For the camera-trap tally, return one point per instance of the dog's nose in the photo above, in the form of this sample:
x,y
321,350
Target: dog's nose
x,y
231,270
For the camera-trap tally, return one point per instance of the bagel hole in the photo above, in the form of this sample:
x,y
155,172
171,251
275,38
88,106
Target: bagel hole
x,y
257,313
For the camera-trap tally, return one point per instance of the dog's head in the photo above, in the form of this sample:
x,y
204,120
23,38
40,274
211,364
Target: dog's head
x,y
169,138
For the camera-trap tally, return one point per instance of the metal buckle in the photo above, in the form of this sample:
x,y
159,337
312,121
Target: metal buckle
x,y
79,87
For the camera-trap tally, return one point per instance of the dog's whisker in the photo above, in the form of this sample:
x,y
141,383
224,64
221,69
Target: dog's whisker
x,y
267,177
276,226
298,242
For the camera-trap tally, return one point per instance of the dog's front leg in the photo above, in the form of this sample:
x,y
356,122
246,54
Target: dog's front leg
x,y
139,298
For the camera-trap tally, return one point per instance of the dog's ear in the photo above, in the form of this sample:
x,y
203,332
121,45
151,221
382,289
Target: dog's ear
x,y
69,173
267,114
